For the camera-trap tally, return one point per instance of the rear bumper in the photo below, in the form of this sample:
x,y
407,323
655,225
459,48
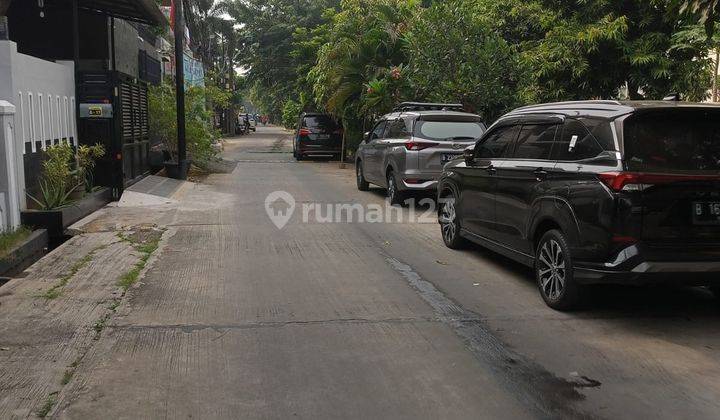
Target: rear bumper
x,y
641,264
414,180
652,272
318,150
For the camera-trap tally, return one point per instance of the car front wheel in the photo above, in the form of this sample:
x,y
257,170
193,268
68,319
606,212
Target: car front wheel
x,y
554,272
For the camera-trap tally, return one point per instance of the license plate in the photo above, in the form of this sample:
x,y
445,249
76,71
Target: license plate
x,y
447,157
323,136
706,213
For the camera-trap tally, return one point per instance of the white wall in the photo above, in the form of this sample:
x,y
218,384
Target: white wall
x,y
43,93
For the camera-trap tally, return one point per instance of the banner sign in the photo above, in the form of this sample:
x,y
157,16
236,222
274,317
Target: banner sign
x,y
194,72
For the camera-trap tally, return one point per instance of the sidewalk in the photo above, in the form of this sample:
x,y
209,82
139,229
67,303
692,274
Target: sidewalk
x,y
53,316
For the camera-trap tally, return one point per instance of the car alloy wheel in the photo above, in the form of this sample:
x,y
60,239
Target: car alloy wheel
x,y
554,272
448,220
450,223
551,269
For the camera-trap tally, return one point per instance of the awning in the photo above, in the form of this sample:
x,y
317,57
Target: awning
x,y
142,11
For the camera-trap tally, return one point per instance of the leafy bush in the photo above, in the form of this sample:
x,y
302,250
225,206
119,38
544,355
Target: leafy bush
x,y
58,180
87,157
482,72
290,113
200,134
64,173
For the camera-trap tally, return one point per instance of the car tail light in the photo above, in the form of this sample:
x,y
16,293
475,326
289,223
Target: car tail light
x,y
637,181
419,145
304,132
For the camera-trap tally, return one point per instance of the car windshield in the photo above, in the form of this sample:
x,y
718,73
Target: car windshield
x,y
449,130
322,122
673,140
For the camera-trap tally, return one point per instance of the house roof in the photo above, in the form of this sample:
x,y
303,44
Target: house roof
x,y
143,11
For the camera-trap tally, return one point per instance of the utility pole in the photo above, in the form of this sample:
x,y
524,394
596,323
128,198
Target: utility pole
x,y
179,29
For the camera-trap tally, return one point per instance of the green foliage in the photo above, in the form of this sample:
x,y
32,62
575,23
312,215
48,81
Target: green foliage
x,y
360,71
58,179
603,49
10,238
278,58
356,58
707,12
87,157
290,113
200,133
456,55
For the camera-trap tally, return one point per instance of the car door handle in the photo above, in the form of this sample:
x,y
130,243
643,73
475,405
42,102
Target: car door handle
x,y
490,169
540,174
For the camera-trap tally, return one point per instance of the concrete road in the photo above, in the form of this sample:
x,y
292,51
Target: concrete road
x,y
239,319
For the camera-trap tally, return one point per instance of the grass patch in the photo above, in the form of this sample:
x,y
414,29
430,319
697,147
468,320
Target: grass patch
x,y
129,278
47,406
102,322
146,248
12,238
56,290
67,376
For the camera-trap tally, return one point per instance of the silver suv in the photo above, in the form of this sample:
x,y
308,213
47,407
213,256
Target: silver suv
x,y
407,149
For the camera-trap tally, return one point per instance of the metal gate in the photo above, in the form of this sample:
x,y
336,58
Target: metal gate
x,y
114,113
133,102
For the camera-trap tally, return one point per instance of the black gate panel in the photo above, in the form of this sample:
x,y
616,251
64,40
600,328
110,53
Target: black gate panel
x,y
135,137
124,134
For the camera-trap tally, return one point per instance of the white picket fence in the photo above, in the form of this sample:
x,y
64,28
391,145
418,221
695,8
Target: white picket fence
x,y
43,93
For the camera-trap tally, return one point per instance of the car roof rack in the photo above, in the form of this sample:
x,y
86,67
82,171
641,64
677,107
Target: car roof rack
x,y
425,106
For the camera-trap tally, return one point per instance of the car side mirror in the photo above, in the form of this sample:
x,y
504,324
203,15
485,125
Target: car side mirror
x,y
469,155
366,136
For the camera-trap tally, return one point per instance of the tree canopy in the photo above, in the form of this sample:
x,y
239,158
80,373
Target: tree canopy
x,y
356,58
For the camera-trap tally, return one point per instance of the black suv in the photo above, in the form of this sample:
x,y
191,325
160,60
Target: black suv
x,y
317,135
593,192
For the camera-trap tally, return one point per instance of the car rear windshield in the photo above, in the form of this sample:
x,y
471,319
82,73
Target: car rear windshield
x,y
686,140
449,130
322,122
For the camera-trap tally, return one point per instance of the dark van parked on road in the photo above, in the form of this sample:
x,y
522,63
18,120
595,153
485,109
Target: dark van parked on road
x,y
317,135
593,192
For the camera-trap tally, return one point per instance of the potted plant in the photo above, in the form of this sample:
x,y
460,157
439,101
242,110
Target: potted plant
x,y
66,189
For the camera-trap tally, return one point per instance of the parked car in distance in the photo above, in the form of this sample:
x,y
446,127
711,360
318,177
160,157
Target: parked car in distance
x,y
252,122
593,192
317,135
406,149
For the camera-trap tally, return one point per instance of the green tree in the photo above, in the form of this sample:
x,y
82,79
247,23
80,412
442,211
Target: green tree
x,y
269,49
360,69
597,47
456,55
